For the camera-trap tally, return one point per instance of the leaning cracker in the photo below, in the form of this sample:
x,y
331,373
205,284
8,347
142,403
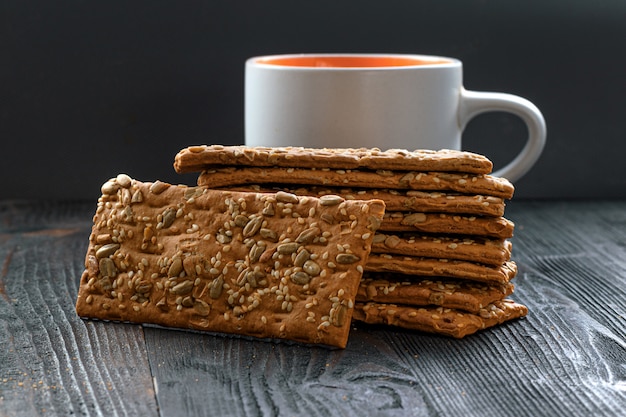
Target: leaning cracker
x,y
398,180
456,224
262,265
198,158
474,249
449,322
400,200
431,267
448,293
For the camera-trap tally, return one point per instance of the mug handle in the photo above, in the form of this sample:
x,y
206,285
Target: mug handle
x,y
474,103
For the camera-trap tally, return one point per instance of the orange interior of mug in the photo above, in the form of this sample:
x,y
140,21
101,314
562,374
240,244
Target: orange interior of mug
x,y
347,61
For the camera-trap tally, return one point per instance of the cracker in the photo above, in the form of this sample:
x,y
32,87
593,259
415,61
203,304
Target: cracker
x,y
415,291
439,320
431,267
272,266
385,179
401,200
474,249
199,158
494,227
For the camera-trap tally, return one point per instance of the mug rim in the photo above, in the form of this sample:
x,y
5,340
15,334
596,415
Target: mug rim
x,y
264,61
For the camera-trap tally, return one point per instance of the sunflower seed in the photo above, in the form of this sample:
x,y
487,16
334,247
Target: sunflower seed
x,y
252,227
103,238
126,196
256,251
137,197
328,218
107,267
241,220
379,238
339,318
308,235
406,179
169,215
105,283
269,210
284,197
330,200
311,268
216,287
182,288
143,287
300,278
287,248
193,192
123,180
392,241
201,307
223,239
301,257
107,250
414,218
347,258
268,234
110,187
162,304
175,268
373,223
385,173
158,187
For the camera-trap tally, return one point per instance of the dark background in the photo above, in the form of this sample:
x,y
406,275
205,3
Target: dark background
x,y
89,89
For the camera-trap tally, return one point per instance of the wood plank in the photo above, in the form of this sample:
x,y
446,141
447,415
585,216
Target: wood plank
x,y
578,249
203,375
573,279
52,362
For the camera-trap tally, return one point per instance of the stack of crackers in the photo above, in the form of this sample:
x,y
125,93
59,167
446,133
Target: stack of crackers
x,y
296,243
441,257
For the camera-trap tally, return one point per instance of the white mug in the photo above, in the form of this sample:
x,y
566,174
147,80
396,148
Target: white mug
x,y
374,101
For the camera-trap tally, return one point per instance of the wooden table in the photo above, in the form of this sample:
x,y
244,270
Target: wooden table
x,y
567,358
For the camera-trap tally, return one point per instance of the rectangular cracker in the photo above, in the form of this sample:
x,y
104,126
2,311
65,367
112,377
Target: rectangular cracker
x,y
471,248
272,266
382,179
444,292
431,267
200,158
400,200
455,224
439,320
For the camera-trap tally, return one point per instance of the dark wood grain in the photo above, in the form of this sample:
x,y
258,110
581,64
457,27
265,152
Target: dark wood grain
x,y
566,359
573,278
53,363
